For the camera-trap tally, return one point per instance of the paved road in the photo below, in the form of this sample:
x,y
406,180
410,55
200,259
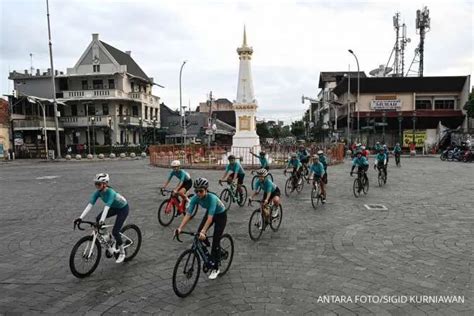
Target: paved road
x,y
422,245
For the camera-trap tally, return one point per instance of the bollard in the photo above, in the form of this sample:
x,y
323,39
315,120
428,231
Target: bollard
x,y
122,155
112,156
101,156
68,157
89,156
78,157
133,155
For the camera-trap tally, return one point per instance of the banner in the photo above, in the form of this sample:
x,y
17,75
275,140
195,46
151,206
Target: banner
x,y
386,104
420,138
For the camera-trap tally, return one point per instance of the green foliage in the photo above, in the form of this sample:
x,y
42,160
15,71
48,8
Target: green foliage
x,y
263,131
298,129
469,106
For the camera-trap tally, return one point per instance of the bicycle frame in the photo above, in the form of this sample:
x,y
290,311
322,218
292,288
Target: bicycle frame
x,y
197,246
173,200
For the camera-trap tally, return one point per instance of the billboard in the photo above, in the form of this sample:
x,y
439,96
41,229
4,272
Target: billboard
x,y
420,137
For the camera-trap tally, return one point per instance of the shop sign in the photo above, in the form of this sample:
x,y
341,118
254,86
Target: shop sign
x,y
385,104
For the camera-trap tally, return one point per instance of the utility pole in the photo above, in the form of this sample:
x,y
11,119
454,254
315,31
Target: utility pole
x,y
56,122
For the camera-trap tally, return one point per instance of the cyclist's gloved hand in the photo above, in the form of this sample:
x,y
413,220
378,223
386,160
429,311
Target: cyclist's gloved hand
x,y
77,221
177,231
351,173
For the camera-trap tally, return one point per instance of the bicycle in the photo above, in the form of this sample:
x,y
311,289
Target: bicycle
x,y
192,262
316,197
397,160
253,184
260,218
382,177
172,207
361,184
230,194
294,182
92,247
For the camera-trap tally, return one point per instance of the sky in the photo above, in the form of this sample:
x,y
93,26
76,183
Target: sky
x,y
293,42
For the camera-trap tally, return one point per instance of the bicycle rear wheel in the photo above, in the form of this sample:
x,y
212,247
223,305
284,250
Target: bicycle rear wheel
x,y
276,217
226,253
166,212
226,198
132,240
242,196
82,261
315,196
256,225
288,186
356,187
365,187
253,184
380,178
186,273
300,184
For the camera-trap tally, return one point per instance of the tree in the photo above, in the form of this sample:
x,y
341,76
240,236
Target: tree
x,y
298,129
469,107
263,131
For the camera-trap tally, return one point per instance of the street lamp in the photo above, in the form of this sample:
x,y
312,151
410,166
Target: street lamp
x,y
414,125
400,119
358,93
181,105
44,122
88,131
154,126
126,131
93,133
109,119
140,123
383,126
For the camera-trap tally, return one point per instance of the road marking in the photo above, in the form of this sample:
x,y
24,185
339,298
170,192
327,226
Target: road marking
x,y
376,207
47,177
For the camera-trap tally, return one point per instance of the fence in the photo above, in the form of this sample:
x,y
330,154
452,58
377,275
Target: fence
x,y
201,156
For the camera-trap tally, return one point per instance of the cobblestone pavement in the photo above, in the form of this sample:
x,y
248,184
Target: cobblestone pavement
x,y
421,245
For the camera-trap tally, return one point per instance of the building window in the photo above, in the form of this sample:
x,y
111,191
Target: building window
x,y
132,85
444,104
156,113
105,109
90,109
111,84
146,113
73,109
97,84
96,68
134,110
423,104
120,109
84,85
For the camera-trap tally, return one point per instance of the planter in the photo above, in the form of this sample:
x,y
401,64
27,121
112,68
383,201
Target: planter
x,y
78,157
89,156
101,156
68,157
112,156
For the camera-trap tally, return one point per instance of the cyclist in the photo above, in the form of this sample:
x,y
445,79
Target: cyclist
x,y
377,147
262,157
271,192
234,171
303,155
361,163
386,152
215,214
364,151
381,161
317,168
115,204
323,160
185,182
397,150
295,164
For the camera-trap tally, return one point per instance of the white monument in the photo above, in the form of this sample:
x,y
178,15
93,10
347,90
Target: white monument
x,y
245,107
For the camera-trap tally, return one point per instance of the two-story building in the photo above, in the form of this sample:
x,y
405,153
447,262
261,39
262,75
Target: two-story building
x,y
107,98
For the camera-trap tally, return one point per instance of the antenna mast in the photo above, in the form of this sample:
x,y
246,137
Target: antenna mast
x,y
422,27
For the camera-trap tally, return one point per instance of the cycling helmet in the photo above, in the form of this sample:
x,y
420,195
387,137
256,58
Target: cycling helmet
x,y
301,146
398,144
101,177
384,146
362,147
320,152
378,143
175,163
201,183
262,172
231,157
262,153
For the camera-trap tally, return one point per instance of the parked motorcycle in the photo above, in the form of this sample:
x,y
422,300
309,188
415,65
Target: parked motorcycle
x,y
468,156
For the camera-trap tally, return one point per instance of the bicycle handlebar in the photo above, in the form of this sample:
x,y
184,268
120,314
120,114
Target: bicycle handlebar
x,y
176,236
92,224
163,191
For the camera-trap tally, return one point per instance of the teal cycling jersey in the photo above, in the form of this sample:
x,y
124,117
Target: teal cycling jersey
x,y
317,169
263,162
302,154
210,202
295,163
235,168
360,162
322,159
267,186
378,147
180,174
380,158
111,198
397,149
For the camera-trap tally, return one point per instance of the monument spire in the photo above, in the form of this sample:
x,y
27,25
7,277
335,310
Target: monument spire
x,y
245,92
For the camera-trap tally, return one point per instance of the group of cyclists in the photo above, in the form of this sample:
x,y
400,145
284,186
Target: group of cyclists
x,y
117,205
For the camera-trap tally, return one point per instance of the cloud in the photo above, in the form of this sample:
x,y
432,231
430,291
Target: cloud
x,y
292,41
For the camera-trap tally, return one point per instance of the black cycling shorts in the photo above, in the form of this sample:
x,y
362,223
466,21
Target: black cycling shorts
x,y
187,184
273,194
240,177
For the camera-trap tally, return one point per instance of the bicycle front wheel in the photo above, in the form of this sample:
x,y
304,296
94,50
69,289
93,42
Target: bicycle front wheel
x,y
132,240
300,184
356,188
365,185
226,198
315,197
186,273
381,180
288,186
226,253
242,195
276,217
256,225
166,212
85,257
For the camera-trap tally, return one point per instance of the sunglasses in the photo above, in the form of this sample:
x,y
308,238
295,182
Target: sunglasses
x,y
199,190
98,184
